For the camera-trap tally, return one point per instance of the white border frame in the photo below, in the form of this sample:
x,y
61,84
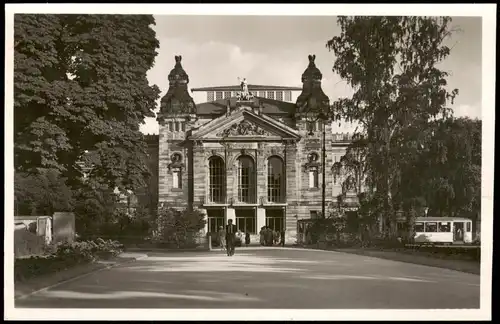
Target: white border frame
x,y
486,11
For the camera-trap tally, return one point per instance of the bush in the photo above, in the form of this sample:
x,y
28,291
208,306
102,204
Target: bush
x,y
65,255
180,229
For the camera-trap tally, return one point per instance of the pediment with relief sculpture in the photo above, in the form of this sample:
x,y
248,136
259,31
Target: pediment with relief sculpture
x,y
244,128
245,124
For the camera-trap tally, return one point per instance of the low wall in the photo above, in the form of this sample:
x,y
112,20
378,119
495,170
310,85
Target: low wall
x,y
27,244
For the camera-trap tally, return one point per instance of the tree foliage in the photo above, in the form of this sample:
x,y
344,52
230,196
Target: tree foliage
x,y
179,227
392,65
41,194
451,168
81,93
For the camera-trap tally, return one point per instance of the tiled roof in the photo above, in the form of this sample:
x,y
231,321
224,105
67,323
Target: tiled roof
x,y
269,106
251,87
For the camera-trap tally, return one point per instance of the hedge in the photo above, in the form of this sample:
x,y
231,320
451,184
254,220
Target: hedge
x,y
65,255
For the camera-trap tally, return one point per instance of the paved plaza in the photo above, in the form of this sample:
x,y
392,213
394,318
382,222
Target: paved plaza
x,y
264,278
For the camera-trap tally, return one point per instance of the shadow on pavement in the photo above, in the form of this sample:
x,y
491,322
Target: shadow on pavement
x,y
252,280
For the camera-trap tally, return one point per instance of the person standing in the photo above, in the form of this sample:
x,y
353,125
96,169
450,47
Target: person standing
x,y
239,238
262,236
282,239
247,239
268,236
230,237
222,237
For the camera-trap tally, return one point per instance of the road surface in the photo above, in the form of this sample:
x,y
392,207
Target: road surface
x,y
264,278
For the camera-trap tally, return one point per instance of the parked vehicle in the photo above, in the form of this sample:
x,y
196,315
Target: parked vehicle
x,y
447,230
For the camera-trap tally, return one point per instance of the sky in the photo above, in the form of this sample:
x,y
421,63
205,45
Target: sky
x,y
273,50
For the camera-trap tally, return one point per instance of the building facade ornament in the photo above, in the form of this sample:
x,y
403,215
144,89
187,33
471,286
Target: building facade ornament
x,y
244,94
244,128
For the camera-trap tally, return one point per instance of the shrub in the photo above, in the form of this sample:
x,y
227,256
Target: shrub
x,y
64,255
178,228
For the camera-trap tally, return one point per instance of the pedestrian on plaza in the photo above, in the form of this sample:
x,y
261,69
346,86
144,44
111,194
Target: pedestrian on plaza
x,y
282,240
239,238
276,237
221,237
230,237
247,239
262,235
268,236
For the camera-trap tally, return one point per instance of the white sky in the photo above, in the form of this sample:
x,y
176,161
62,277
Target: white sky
x,y
273,50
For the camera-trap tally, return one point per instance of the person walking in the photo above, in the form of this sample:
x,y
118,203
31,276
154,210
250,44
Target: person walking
x,y
282,239
230,237
262,236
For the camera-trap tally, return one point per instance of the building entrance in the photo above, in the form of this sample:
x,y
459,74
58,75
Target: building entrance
x,y
215,219
246,220
275,219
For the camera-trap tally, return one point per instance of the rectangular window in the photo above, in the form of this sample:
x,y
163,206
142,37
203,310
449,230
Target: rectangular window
x,y
419,227
279,95
275,223
313,178
313,214
288,96
246,224
176,126
275,219
214,223
430,227
215,218
444,227
210,96
270,95
262,94
171,126
227,94
176,178
183,127
218,95
468,228
400,227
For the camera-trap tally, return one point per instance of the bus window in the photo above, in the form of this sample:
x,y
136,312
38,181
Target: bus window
x,y
468,227
444,227
430,227
419,227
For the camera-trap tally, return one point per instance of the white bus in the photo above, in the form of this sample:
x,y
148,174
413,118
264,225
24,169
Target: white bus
x,y
443,230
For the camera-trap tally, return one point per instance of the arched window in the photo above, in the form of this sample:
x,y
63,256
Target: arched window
x,y
246,179
275,180
217,178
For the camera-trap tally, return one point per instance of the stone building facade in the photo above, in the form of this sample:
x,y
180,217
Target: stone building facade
x,y
248,158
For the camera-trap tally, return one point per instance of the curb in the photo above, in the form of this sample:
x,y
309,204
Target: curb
x,y
29,288
431,262
137,250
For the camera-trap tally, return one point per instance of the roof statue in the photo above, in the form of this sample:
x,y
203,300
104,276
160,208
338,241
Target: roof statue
x,y
244,95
